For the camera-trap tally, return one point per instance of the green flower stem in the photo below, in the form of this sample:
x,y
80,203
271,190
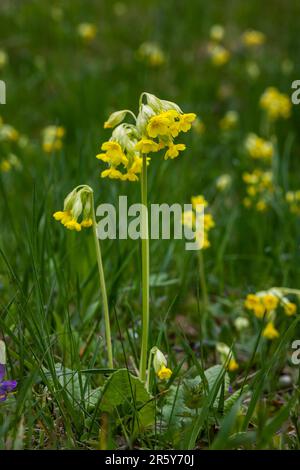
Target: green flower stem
x,y
203,287
145,273
102,289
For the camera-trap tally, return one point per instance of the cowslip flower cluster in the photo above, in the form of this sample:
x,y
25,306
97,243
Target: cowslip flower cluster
x,y
87,32
6,386
227,357
293,200
268,304
223,182
160,364
217,32
277,105
260,189
219,55
77,205
253,38
52,138
259,148
10,162
229,121
151,54
8,133
158,123
189,219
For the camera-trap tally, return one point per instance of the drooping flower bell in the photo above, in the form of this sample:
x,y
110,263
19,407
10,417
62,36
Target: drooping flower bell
x,y
77,211
160,364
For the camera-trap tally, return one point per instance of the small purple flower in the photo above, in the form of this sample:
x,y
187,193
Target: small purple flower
x,y
6,386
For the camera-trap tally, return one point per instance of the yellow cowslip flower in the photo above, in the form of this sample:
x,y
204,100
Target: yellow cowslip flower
x,y
270,301
87,31
157,125
293,200
233,365
173,150
229,121
276,104
258,147
252,38
8,133
199,200
260,189
160,364
52,138
251,301
113,174
164,373
223,182
208,222
219,55
289,308
114,154
147,146
151,54
189,220
186,121
227,357
5,166
77,204
217,32
3,58
270,331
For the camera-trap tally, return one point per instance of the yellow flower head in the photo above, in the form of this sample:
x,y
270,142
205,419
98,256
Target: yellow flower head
x,y
52,138
173,150
270,331
229,121
151,54
258,147
290,308
160,364
276,104
87,31
217,32
252,38
219,55
157,125
77,204
233,365
164,373
147,146
270,302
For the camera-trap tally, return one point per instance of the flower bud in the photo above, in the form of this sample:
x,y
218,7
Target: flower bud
x,y
115,119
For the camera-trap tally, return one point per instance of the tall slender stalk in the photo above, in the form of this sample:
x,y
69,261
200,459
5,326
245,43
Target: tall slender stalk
x,y
145,273
102,289
203,288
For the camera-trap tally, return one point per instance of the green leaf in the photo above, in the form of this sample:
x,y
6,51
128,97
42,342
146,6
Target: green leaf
x,y
123,388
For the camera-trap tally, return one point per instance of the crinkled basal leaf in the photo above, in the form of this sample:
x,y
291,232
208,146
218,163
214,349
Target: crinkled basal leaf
x,y
123,388
77,388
